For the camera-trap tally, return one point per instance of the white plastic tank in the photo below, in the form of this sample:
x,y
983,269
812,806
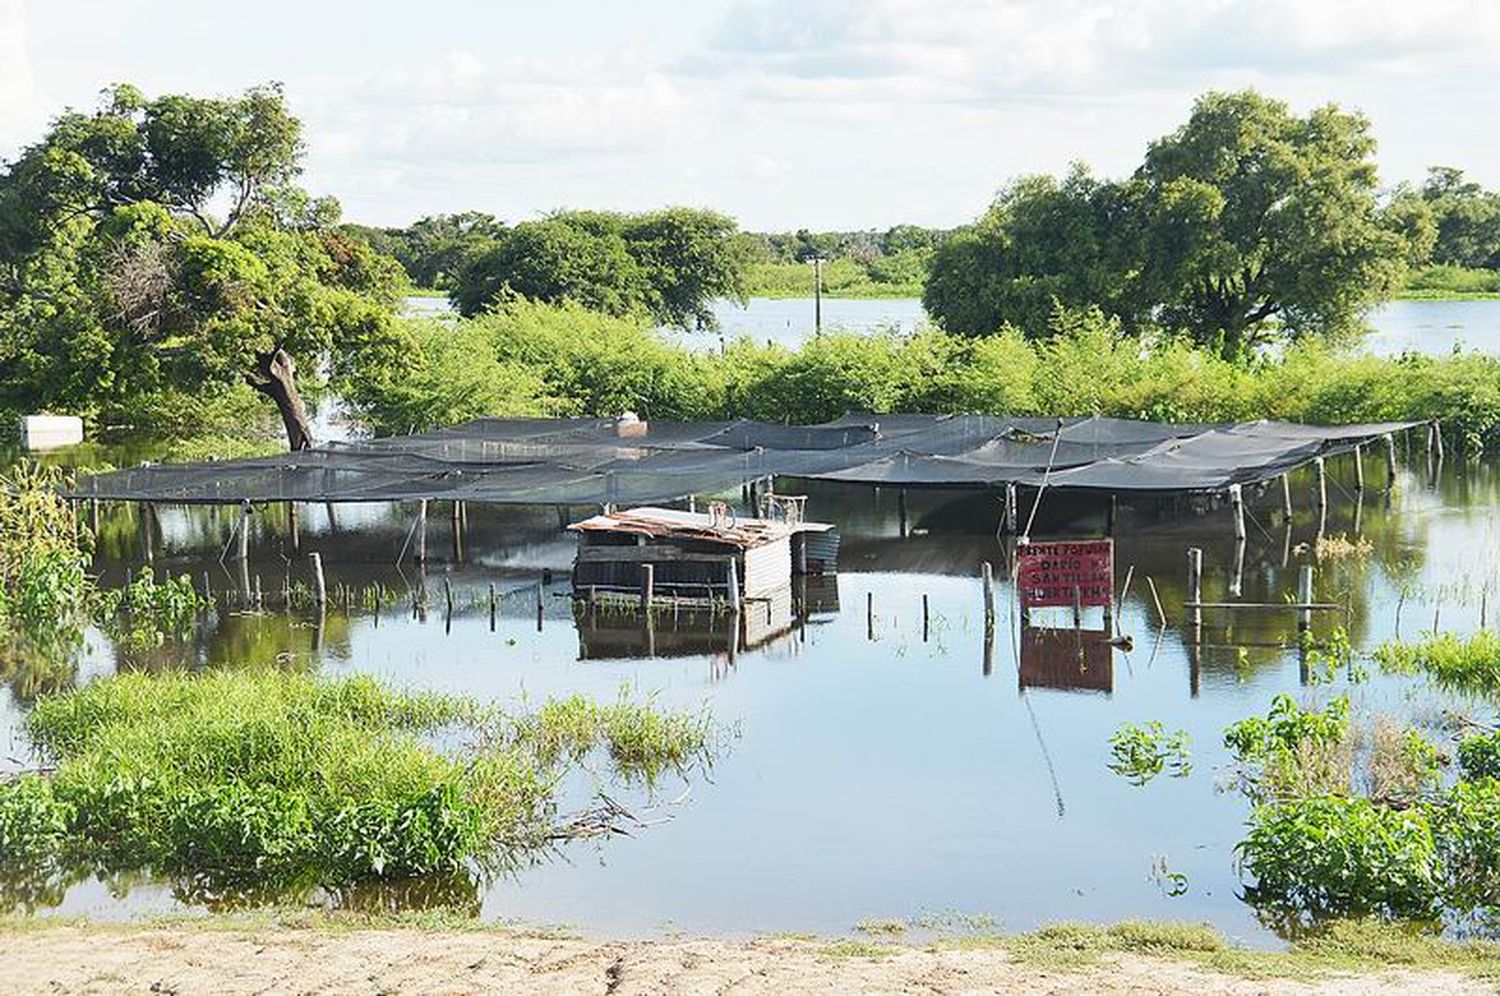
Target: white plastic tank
x,y
50,432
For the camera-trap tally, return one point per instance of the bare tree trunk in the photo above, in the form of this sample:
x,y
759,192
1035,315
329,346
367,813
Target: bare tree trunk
x,y
274,376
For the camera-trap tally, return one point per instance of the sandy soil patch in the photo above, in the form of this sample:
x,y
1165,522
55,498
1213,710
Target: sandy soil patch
x,y
186,959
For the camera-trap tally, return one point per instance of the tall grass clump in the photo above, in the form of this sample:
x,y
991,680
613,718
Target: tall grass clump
x,y
268,777
1469,664
43,587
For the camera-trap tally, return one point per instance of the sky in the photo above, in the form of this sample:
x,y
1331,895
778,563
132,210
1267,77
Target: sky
x,y
824,114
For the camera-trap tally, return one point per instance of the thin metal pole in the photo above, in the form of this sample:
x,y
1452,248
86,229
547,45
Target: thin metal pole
x,y
1390,461
422,532
648,587
1359,468
1237,503
1305,597
1195,586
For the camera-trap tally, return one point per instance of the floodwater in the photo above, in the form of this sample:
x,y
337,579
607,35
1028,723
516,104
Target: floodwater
x,y
868,771
1433,328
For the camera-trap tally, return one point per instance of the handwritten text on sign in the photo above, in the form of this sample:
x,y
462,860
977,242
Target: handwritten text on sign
x,y
1051,572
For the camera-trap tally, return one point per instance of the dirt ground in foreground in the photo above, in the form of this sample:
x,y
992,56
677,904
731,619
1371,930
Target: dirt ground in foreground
x,y
173,959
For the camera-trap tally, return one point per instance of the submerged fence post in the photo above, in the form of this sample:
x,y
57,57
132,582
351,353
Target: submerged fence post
x,y
320,589
422,532
1390,461
1237,503
458,531
1359,468
242,549
1286,496
1195,587
492,606
901,510
987,576
734,587
1304,598
869,615
648,587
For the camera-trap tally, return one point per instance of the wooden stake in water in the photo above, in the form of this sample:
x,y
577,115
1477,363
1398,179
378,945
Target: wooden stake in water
x,y
1359,468
869,615
447,595
733,585
422,532
492,606
924,617
1304,597
1237,505
1195,587
987,582
1390,461
1286,497
648,587
320,591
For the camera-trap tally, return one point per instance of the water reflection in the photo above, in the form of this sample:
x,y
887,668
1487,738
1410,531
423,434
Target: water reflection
x,y
878,771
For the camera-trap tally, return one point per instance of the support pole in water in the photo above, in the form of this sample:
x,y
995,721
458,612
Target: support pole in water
x,y
987,576
458,531
293,527
869,615
1237,504
1195,588
1237,573
1390,461
901,510
1305,597
1359,469
1435,438
1286,497
148,529
242,549
1113,514
1322,493
1010,509
648,587
422,532
734,587
924,618
320,588
492,606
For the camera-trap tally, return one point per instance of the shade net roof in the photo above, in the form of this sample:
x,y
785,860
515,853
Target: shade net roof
x,y
587,461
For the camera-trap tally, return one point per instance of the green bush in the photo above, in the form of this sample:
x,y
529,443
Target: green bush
x,y
1479,756
33,823
265,776
1328,856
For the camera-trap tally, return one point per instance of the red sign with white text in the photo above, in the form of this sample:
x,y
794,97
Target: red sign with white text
x,y
1050,573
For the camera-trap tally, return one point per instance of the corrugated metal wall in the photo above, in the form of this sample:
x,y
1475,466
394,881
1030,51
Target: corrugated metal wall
x,y
767,568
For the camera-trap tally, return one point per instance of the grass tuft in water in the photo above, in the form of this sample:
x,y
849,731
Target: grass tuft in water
x,y
261,775
1468,664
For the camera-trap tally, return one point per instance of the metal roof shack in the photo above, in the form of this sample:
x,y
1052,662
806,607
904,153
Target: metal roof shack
x,y
655,553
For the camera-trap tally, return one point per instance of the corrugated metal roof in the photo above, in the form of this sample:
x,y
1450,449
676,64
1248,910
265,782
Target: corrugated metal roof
x,y
740,532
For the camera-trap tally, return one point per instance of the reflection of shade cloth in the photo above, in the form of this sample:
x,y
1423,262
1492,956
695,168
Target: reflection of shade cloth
x,y
1079,660
590,461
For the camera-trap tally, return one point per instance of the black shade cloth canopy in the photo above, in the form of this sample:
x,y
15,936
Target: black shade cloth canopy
x,y
591,461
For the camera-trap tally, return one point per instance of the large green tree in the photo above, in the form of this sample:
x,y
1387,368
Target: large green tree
x,y
1246,223
162,245
1256,215
671,264
1467,218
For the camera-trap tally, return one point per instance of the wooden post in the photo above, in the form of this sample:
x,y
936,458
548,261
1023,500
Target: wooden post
x,y
1237,504
1305,597
242,552
148,520
1286,496
648,587
94,516
1237,575
293,527
422,532
901,510
924,617
987,583
1359,468
492,606
320,589
447,595
869,615
1010,508
1322,484
458,532
734,587
540,608
1435,434
1195,586
1390,461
